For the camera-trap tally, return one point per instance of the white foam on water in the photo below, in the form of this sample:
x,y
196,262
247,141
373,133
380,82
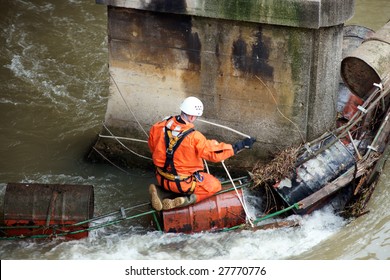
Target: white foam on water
x,y
272,244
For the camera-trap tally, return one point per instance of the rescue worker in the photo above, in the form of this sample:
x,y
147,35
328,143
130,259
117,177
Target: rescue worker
x,y
177,152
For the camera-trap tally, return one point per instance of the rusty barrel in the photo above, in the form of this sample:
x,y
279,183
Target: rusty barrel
x,y
223,210
368,64
47,209
314,173
353,37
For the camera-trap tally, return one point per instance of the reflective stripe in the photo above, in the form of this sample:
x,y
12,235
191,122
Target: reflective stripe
x,y
169,124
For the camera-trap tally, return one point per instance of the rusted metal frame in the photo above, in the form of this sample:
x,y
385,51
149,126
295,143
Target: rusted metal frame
x,y
232,188
374,91
383,132
346,128
362,166
257,220
370,104
154,214
235,180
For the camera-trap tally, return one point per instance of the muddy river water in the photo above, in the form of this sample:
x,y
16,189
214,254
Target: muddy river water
x,y
53,95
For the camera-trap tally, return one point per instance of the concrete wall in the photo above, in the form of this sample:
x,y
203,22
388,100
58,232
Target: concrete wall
x,y
266,68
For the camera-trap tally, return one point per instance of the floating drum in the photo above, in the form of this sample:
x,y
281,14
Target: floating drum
x,y
368,64
47,210
313,174
223,210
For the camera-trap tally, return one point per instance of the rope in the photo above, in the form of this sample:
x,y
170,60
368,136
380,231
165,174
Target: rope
x,y
249,218
225,127
103,156
128,107
238,195
122,138
123,145
207,166
280,112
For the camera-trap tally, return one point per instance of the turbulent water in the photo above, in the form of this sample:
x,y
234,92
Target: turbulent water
x,y
53,95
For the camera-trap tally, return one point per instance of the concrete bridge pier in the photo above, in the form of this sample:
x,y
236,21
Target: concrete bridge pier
x,y
267,68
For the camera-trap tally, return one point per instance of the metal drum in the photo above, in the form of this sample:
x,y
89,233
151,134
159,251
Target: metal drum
x,y
42,209
313,174
368,64
354,36
223,210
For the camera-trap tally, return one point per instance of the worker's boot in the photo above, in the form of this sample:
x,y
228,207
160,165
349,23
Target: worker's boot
x,y
156,197
177,202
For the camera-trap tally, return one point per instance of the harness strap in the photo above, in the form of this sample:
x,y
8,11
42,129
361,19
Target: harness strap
x,y
169,171
172,143
178,179
192,188
171,177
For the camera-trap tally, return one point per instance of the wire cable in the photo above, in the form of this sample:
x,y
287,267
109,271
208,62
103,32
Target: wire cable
x,y
249,218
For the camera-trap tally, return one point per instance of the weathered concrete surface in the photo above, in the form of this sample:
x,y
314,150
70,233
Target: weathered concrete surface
x,y
296,13
270,76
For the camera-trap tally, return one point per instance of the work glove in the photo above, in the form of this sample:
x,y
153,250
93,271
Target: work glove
x,y
247,143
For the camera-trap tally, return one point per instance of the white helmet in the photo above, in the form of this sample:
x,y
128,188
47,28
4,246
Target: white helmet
x,y
192,106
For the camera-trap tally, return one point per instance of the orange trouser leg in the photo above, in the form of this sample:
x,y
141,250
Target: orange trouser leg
x,y
209,186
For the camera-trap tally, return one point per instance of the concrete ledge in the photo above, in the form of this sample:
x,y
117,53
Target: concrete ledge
x,y
312,14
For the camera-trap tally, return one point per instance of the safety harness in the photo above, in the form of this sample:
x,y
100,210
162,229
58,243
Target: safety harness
x,y
169,172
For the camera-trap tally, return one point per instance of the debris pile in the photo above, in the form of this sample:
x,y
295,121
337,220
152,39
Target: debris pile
x,y
279,167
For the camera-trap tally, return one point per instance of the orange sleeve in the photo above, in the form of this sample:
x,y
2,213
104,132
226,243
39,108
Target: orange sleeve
x,y
151,140
212,150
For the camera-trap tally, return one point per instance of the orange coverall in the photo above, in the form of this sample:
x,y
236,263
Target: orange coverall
x,y
187,157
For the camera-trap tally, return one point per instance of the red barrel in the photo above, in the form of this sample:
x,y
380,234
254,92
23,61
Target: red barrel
x,y
222,210
354,36
36,208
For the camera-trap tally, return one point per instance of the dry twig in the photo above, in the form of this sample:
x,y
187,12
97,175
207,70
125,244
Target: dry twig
x,y
278,168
